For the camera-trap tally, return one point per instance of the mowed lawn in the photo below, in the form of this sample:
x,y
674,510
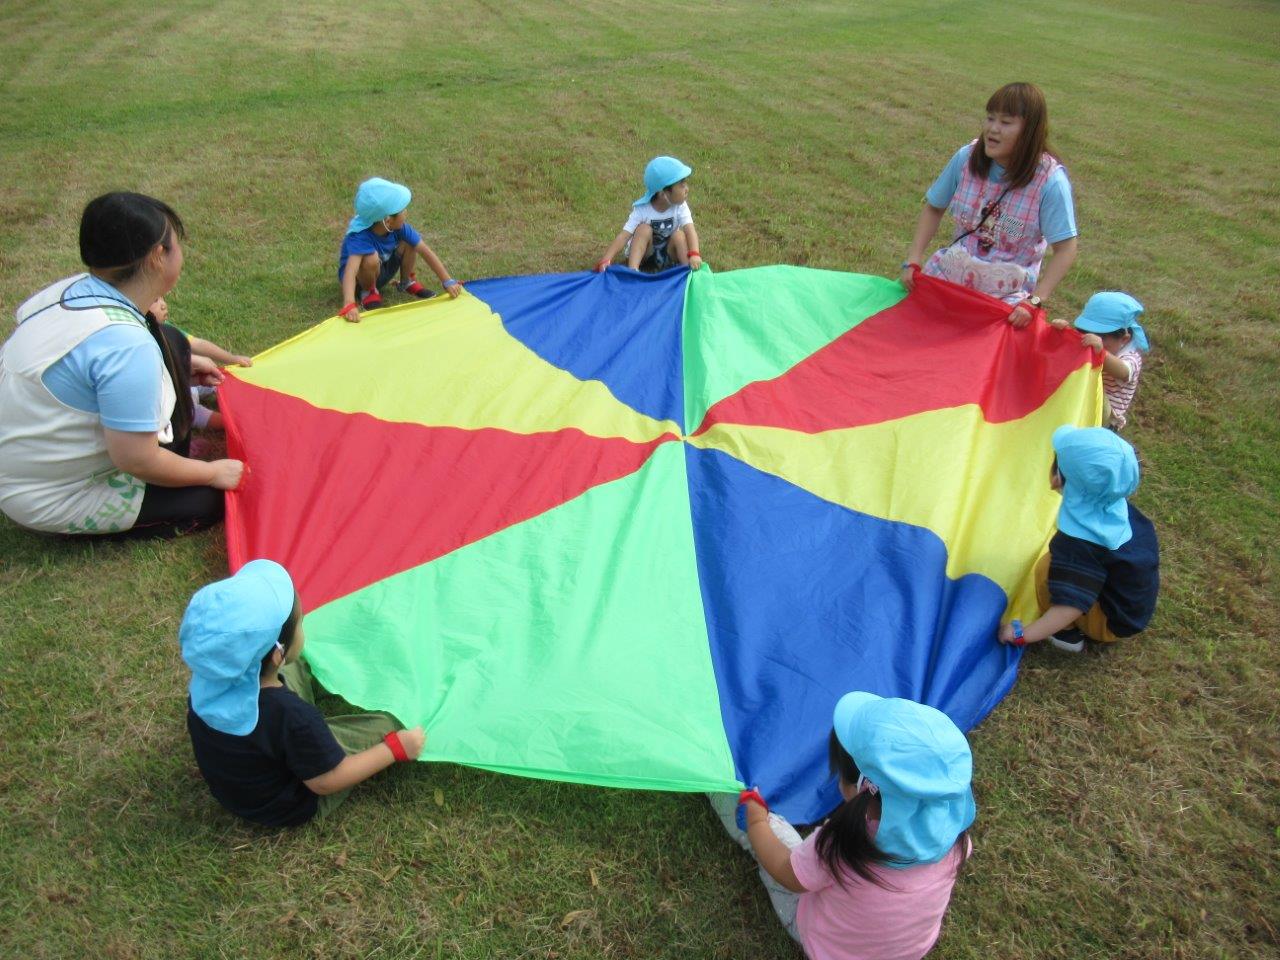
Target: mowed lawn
x,y
1129,801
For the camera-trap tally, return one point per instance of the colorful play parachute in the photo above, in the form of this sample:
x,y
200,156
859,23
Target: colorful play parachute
x,y
644,531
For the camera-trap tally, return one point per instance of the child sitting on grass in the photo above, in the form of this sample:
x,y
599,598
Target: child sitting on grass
x,y
202,417
660,232
266,752
1110,324
1100,578
875,879
379,243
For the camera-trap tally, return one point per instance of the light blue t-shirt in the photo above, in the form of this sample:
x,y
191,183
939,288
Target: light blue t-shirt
x,y
1057,210
115,372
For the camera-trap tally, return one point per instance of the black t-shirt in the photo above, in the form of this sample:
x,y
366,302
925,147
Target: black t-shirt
x,y
1124,582
259,776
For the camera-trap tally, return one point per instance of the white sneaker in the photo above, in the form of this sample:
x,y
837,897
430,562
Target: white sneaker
x,y
1072,641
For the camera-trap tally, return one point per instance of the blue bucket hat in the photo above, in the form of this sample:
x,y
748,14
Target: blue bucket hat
x,y
1099,472
660,173
377,199
921,766
1110,311
228,628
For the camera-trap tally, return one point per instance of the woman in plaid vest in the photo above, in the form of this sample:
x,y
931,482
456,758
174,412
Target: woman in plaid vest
x,y
1011,200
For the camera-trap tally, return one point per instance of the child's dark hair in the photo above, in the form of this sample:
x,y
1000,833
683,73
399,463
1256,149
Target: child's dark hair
x,y
287,630
844,840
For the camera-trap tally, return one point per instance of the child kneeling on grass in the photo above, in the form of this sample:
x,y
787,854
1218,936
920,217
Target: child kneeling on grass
x,y
380,243
1101,576
266,752
874,880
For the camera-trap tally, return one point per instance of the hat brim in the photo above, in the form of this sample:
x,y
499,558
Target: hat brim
x,y
685,171
1090,325
398,199
848,709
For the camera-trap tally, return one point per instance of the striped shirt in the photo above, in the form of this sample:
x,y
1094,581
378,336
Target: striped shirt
x,y
1120,395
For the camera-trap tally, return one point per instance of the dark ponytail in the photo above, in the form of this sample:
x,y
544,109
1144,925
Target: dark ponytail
x,y
844,840
175,351
117,232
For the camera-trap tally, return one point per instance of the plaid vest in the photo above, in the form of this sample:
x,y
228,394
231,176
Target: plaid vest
x,y
1012,233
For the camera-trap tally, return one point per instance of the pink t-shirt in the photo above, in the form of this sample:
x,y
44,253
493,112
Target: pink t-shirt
x,y
863,921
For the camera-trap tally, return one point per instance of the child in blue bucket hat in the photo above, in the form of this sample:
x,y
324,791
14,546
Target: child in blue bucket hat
x,y
660,231
380,243
1110,325
1101,576
266,752
874,880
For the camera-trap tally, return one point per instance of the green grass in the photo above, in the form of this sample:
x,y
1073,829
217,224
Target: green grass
x,y
1129,801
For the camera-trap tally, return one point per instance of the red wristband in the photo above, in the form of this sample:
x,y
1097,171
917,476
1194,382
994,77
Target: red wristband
x,y
752,796
348,308
1018,639
695,253
392,740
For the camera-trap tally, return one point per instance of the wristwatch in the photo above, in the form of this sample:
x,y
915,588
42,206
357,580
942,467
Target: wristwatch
x,y
1034,301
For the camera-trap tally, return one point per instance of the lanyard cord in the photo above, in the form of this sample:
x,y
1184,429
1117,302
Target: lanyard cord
x,y
64,300
180,379
991,208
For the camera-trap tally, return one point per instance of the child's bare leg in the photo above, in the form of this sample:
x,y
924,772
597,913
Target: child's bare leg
x,y
367,275
784,901
408,258
640,243
678,247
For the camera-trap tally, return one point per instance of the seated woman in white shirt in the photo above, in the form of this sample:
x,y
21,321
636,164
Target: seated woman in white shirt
x,y
95,408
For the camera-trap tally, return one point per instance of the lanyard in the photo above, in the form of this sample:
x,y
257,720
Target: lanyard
x,y
986,214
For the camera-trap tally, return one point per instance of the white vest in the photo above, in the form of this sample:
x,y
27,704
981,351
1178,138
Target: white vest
x,y
55,473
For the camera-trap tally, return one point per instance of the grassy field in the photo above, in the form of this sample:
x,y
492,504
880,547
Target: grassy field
x,y
1129,801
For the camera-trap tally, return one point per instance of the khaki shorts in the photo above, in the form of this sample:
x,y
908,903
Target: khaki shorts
x,y
1093,624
